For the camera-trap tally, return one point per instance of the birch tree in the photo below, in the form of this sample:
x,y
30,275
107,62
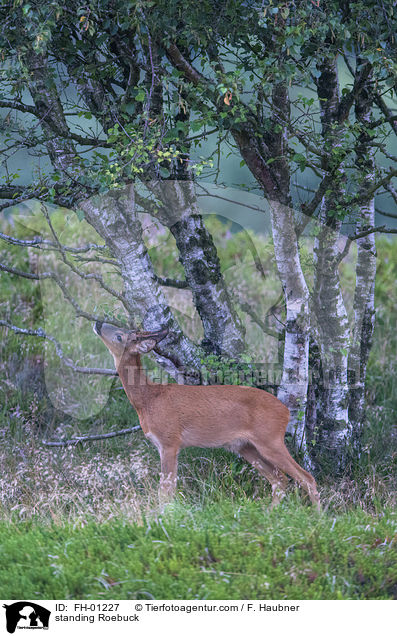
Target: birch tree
x,y
299,91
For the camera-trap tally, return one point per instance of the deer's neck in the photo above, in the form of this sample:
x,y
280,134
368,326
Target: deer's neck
x,y
135,382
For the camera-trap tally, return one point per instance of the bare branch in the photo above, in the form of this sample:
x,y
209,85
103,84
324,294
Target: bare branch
x,y
88,141
386,120
92,276
52,276
392,191
11,191
389,214
40,333
309,208
348,99
207,193
23,108
84,260
37,241
20,194
182,64
88,438
384,182
389,117
19,272
353,237
371,230
255,318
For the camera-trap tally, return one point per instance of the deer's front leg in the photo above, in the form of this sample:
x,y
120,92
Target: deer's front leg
x,y
168,476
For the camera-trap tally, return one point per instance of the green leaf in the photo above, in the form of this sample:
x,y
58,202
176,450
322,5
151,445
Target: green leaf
x,y
196,125
130,108
140,96
164,172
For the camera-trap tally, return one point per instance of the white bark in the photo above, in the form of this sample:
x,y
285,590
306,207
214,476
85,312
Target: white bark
x,y
364,303
332,328
294,382
364,300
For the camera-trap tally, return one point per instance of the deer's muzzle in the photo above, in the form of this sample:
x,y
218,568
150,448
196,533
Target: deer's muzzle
x,y
98,327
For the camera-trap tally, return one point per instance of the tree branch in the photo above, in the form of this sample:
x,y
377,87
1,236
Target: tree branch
x,y
40,333
392,191
52,276
379,228
37,241
182,64
92,276
348,100
255,318
389,214
20,194
23,108
353,237
389,117
88,438
384,182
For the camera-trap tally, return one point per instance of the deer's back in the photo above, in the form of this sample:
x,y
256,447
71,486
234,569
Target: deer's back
x,y
213,415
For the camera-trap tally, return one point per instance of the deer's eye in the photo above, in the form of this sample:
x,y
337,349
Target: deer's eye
x,y
118,338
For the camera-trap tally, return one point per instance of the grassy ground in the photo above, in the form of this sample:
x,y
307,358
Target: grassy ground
x,y
223,550
84,521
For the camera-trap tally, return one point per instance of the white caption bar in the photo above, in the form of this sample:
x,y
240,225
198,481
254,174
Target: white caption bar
x,y
177,618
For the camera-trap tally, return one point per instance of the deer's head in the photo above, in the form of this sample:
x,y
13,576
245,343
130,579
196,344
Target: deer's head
x,y
123,342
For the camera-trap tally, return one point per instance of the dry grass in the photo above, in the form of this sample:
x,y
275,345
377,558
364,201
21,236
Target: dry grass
x,y
119,478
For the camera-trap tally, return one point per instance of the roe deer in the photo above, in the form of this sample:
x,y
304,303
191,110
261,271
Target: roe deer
x,y
245,420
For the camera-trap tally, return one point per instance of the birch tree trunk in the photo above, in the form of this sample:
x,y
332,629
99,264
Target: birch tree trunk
x,y
223,330
294,381
332,328
276,185
364,301
257,149
114,217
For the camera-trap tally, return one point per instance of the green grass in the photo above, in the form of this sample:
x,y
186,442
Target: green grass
x,y
225,551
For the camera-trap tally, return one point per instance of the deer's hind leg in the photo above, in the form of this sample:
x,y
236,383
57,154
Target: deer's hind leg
x,y
267,469
281,458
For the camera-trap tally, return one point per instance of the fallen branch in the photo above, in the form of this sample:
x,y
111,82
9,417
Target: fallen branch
x,y
88,438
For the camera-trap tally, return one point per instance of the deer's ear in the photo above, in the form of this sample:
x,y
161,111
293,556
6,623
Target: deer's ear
x,y
145,345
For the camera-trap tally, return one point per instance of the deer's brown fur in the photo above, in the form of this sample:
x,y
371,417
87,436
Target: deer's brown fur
x,y
245,420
